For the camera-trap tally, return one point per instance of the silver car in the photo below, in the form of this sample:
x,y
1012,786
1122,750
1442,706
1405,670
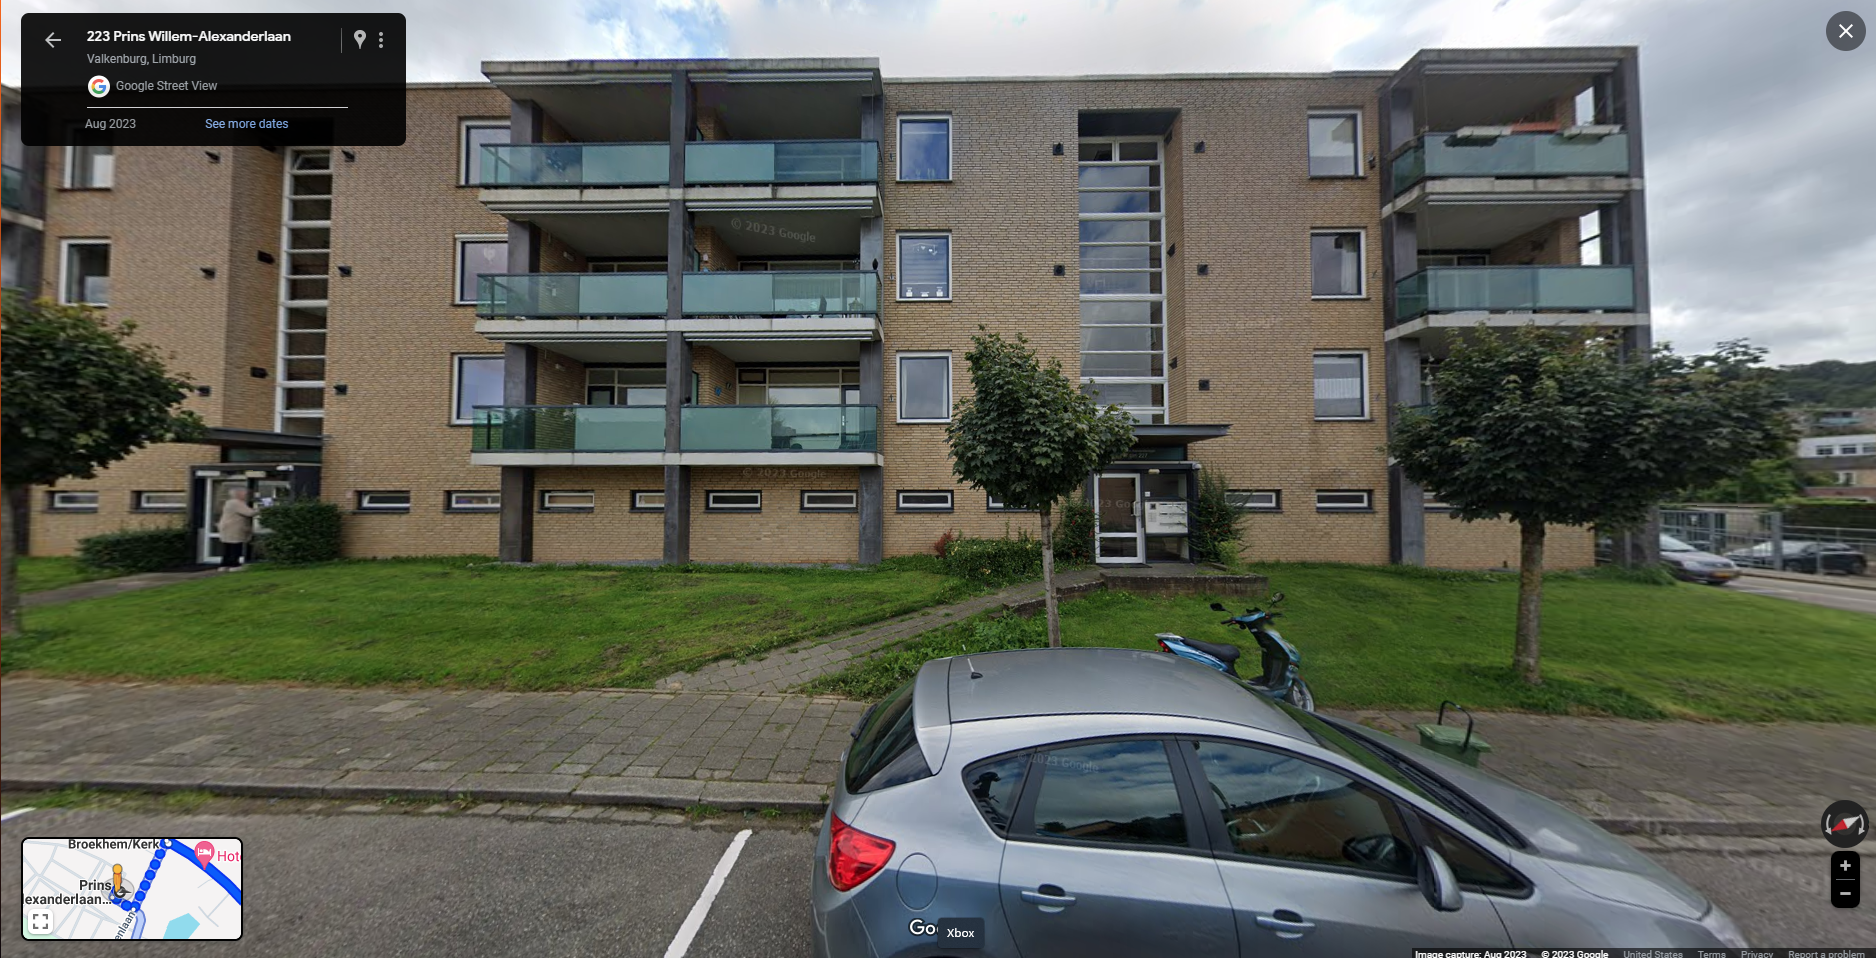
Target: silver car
x,y
1074,802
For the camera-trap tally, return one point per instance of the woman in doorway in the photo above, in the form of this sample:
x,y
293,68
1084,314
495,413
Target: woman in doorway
x,y
235,528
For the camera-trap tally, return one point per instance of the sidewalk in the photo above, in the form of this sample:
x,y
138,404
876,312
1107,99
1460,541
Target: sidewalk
x,y
99,588
744,750
1847,581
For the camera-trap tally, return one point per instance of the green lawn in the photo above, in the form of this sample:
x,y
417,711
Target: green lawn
x,y
1392,638
460,622
39,573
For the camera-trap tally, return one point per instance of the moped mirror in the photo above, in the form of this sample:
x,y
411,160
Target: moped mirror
x,y
1218,607
1437,882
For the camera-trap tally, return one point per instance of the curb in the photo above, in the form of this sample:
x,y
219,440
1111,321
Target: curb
x,y
481,786
1719,828
1864,582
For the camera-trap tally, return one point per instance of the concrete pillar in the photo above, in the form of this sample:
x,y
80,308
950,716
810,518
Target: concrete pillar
x,y
677,358
1407,514
872,478
519,389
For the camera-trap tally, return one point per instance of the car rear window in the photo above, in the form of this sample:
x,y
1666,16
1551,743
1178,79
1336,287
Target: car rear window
x,y
994,786
885,748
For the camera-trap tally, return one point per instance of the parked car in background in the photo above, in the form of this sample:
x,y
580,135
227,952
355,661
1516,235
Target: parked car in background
x,y
1804,557
1694,565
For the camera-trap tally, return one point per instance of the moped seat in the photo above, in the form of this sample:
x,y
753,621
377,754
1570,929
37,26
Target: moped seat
x,y
1217,650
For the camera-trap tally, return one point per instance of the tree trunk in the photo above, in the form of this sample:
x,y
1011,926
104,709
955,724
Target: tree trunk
x,y
1048,581
9,569
1524,657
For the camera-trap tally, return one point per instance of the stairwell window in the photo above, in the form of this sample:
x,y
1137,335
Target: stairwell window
x,y
1341,386
924,148
85,268
1334,143
1335,258
925,266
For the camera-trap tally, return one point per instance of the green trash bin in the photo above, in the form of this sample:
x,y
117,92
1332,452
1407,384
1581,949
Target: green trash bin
x,y
1451,740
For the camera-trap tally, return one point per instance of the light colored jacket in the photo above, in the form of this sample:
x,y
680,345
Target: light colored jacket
x,y
237,521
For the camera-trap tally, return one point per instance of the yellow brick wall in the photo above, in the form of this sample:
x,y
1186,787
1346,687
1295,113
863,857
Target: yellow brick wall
x,y
781,532
559,380
715,372
558,257
612,532
1452,544
1549,245
716,253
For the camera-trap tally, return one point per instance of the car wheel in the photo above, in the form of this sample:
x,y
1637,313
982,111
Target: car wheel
x,y
1858,567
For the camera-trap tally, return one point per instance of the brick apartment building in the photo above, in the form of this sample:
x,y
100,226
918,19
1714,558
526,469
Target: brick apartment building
x,y
717,310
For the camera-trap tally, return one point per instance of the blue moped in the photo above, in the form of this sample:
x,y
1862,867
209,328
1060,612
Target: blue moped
x,y
1282,676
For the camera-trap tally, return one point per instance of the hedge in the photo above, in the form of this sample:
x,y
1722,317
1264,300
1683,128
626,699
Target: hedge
x,y
994,561
138,550
1074,532
1839,515
300,531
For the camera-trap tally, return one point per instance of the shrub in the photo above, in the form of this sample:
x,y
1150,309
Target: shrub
x,y
944,542
300,531
1074,532
137,550
1844,515
1213,524
994,561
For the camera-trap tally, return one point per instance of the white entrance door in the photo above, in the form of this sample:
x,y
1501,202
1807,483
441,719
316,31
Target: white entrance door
x,y
1118,534
215,489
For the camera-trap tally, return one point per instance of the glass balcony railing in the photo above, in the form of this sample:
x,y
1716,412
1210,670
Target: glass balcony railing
x,y
575,164
780,428
568,429
1518,154
1454,289
782,293
735,163
570,295
13,188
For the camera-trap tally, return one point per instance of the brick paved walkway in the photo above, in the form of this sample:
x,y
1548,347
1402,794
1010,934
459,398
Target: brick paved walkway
x,y
785,669
742,750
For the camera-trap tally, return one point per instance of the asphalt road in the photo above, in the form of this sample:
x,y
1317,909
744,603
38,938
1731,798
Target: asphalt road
x,y
396,885
1825,592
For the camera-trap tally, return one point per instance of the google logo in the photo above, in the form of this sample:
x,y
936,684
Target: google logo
x,y
99,86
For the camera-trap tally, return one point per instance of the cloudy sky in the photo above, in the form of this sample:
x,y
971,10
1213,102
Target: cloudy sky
x,y
1760,228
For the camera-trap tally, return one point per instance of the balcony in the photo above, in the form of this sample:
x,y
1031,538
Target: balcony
x,y
579,165
741,163
713,435
1513,156
1515,289
13,188
782,293
570,295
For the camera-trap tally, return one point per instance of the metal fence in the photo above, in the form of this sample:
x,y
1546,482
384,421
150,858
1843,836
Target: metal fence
x,y
1761,539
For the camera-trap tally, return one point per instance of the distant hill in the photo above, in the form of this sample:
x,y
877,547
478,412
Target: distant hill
x,y
1831,383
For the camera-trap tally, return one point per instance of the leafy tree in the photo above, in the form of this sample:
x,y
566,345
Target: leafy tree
x,y
1029,437
1553,426
1216,524
1762,480
80,395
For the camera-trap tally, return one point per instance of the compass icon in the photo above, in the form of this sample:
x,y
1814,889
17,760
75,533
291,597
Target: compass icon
x,y
1845,823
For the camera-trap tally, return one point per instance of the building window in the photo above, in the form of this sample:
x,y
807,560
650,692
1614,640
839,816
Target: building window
x,y
1344,500
477,134
72,501
924,148
933,501
384,502
648,500
925,266
741,501
85,266
1826,451
1846,478
1256,500
1334,143
478,382
90,166
476,257
473,502
993,504
1119,187
797,386
924,387
1341,385
822,500
1430,501
159,501
1335,264
562,500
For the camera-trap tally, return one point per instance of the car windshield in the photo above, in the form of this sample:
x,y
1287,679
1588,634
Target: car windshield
x,y
1671,544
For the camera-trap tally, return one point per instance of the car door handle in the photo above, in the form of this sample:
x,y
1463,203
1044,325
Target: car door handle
x,y
1048,895
1286,923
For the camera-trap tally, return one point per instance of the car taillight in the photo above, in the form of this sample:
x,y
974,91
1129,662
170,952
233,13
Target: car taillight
x,y
853,855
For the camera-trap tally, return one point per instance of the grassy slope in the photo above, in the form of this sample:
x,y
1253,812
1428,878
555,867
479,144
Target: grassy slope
x,y
39,573
1387,638
446,622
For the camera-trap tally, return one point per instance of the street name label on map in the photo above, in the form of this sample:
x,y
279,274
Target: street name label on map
x,y
130,888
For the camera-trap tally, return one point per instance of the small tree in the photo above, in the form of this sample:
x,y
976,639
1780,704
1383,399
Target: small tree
x,y
79,395
1545,426
1029,437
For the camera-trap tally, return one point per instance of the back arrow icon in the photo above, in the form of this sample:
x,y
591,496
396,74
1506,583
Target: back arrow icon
x,y
51,39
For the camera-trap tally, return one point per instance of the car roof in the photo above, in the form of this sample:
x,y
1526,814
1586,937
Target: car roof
x,y
1028,682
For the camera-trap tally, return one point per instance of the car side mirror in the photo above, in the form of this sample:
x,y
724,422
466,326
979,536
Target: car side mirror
x,y
1218,607
1437,882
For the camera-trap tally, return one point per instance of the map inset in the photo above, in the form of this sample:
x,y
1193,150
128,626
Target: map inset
x,y
130,888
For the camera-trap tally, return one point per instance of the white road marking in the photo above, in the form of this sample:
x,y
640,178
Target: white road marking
x,y
687,932
15,813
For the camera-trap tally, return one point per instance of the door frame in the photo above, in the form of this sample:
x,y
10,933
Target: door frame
x,y
1139,524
